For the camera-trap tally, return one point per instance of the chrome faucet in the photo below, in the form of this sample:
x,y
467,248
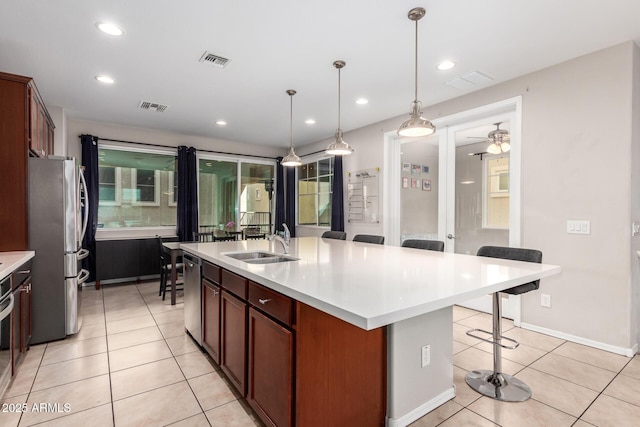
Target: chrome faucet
x,y
287,233
285,244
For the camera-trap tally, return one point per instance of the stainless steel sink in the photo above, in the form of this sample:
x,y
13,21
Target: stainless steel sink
x,y
260,257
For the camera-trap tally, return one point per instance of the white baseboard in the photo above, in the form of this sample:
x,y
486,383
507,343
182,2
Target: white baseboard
x,y
423,409
628,352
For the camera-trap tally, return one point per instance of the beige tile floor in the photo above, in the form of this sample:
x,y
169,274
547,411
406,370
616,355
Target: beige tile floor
x,y
132,365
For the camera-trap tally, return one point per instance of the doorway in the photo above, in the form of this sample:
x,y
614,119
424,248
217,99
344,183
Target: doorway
x,y
448,187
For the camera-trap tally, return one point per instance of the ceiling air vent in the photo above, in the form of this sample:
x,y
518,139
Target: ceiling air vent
x,y
152,106
213,59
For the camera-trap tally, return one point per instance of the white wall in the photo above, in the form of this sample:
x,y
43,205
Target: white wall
x,y
576,164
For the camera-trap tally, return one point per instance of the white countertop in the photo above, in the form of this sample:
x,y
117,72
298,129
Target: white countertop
x,y
12,260
372,285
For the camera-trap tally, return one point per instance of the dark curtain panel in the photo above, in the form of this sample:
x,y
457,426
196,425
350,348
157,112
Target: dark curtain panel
x,y
290,213
280,208
187,193
91,175
337,196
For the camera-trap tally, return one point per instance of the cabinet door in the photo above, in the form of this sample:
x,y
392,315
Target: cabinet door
x,y
34,125
233,340
270,391
211,319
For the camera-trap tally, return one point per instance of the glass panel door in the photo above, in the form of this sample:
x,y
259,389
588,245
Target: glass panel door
x,y
419,188
217,194
256,197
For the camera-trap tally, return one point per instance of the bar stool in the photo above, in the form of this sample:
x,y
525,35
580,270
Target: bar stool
x,y
369,238
338,235
494,383
429,245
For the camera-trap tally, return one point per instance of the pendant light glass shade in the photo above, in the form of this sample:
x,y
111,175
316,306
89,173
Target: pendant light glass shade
x,y
339,147
291,159
416,125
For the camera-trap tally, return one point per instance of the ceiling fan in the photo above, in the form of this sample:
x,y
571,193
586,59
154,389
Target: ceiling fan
x,y
498,139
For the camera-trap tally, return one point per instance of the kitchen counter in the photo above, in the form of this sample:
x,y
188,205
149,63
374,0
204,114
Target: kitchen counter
x,y
370,285
408,292
9,261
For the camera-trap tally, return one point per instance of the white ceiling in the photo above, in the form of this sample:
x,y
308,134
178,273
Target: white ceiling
x,y
287,44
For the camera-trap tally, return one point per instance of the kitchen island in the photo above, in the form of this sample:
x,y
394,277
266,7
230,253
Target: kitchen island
x,y
402,296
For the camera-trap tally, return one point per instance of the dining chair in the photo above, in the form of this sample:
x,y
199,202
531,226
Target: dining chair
x,y
495,383
203,237
369,238
429,245
224,238
338,235
165,270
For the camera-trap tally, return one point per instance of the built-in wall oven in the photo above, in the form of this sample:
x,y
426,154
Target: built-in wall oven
x,y
6,308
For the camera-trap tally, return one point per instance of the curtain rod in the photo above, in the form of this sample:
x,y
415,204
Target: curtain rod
x,y
197,149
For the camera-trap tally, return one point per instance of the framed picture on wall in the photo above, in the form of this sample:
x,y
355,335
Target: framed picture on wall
x,y
406,167
414,182
405,182
426,185
415,169
425,169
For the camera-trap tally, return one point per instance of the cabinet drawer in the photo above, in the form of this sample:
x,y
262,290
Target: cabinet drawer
x,y
271,302
235,284
211,272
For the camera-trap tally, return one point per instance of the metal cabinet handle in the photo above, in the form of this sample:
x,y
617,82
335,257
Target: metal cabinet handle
x,y
23,272
263,301
451,236
215,293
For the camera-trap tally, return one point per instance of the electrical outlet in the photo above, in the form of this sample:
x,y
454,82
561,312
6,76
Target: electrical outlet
x,y
545,300
426,355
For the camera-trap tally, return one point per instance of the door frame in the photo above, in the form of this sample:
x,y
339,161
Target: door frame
x,y
508,109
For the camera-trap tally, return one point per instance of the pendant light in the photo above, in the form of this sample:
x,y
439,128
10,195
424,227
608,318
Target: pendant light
x,y
291,160
416,125
339,147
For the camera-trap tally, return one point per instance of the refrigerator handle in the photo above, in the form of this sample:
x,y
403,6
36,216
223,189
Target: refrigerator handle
x,y
83,253
83,276
85,220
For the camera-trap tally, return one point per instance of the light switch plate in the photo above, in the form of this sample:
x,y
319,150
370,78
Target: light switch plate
x,y
579,226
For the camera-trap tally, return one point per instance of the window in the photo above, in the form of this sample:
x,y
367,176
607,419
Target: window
x,y
496,212
146,186
315,181
109,179
136,188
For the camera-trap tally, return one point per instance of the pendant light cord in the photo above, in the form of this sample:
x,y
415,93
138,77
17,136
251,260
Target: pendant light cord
x,y
415,99
291,123
339,69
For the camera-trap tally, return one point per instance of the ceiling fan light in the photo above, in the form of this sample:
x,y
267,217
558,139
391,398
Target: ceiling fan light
x,y
494,148
505,146
292,159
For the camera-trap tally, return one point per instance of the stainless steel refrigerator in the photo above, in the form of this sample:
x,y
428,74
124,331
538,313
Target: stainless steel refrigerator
x,y
56,228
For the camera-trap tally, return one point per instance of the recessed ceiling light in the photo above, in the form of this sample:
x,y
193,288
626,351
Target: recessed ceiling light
x,y
109,28
446,65
362,101
221,123
310,122
105,79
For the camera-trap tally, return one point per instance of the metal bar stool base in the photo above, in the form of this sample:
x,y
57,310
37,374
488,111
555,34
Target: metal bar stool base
x,y
498,386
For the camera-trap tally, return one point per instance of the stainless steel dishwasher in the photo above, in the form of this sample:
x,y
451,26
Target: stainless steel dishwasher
x,y
192,296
